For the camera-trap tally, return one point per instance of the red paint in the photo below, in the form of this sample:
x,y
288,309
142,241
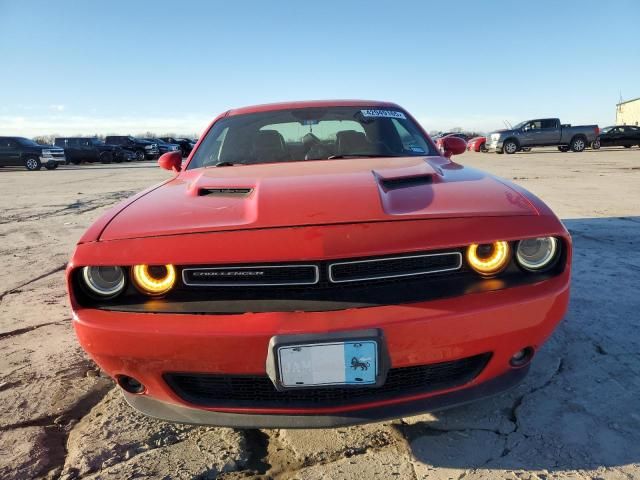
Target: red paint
x,y
313,211
476,144
171,161
451,145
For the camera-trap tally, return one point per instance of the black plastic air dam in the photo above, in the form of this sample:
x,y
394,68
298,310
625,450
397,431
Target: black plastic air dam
x,y
180,414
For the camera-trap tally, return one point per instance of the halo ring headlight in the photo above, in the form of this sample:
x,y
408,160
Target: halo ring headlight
x,y
490,258
154,280
104,281
535,254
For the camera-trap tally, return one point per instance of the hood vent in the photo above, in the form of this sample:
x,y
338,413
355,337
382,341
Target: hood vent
x,y
405,182
240,192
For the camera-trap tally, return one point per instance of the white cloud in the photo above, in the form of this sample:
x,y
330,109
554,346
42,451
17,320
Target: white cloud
x,y
57,107
64,124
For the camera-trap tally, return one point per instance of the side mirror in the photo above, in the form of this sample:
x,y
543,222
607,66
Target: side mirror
x,y
171,161
451,145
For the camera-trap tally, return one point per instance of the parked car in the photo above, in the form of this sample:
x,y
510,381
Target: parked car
x,y
477,144
83,149
163,146
463,136
618,136
21,151
143,149
346,273
186,144
542,132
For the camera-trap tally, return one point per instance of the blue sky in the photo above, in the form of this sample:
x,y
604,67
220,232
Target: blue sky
x,y
73,67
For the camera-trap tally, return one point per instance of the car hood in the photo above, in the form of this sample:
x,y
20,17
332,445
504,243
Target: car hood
x,y
315,193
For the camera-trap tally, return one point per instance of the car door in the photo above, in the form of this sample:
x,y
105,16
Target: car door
x,y
88,151
532,134
615,138
550,132
634,135
9,152
628,138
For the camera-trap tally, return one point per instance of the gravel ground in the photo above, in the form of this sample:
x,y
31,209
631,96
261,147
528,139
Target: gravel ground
x,y
575,416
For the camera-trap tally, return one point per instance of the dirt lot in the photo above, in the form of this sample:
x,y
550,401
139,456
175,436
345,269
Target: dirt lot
x,y
577,415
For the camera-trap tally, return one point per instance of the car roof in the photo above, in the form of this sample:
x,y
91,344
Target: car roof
x,y
309,104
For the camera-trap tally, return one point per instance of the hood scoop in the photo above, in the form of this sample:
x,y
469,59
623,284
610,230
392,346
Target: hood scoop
x,y
405,182
224,191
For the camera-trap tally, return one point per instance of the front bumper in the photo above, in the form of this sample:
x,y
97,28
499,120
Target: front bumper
x,y
494,145
60,160
183,414
146,346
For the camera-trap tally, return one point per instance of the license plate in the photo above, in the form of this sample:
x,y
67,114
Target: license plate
x,y
326,364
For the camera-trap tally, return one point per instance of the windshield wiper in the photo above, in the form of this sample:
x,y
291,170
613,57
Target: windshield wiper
x,y
355,155
225,164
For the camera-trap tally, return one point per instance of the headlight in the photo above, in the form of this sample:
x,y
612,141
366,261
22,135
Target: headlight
x,y
154,279
104,282
148,147
489,258
537,253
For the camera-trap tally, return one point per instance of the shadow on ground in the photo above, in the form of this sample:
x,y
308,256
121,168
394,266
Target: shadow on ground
x,y
579,408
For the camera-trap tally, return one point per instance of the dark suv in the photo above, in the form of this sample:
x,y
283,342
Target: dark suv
x,y
163,146
186,145
20,151
142,148
80,149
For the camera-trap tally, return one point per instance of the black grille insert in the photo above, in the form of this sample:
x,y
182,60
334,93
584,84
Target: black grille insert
x,y
265,275
393,267
258,391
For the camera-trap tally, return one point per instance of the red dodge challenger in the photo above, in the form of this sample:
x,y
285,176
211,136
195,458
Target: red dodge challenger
x,y
318,264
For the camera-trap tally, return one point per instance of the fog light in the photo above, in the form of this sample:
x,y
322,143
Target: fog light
x,y
521,357
154,279
130,384
489,258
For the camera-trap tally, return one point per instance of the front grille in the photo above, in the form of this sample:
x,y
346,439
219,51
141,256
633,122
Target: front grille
x,y
393,267
259,392
264,275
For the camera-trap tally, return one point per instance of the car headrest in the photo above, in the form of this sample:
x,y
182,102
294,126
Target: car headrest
x,y
350,141
269,140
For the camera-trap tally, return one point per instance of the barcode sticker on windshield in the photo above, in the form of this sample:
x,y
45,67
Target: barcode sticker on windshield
x,y
382,113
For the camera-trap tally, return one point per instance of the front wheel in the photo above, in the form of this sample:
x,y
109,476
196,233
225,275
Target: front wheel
x,y
139,155
578,144
510,147
51,165
32,164
595,145
106,157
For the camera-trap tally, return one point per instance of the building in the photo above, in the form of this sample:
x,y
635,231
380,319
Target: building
x,y
628,113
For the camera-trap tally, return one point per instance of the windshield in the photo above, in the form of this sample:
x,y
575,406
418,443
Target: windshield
x,y
606,129
96,141
28,143
520,125
310,134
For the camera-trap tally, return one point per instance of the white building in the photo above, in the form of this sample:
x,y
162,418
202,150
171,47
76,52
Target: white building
x,y
628,113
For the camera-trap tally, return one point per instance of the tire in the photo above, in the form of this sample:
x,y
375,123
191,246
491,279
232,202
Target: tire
x,y
32,164
595,145
499,152
627,146
139,155
578,144
51,165
106,157
525,149
510,147
483,147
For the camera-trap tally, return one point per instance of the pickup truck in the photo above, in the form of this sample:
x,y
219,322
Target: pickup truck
x,y
20,151
142,149
81,149
542,132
